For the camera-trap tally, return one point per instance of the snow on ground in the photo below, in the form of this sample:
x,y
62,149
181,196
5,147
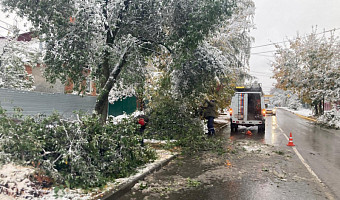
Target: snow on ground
x,y
301,111
223,118
119,118
329,118
15,183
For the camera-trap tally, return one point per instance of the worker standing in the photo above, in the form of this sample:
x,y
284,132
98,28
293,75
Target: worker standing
x,y
210,113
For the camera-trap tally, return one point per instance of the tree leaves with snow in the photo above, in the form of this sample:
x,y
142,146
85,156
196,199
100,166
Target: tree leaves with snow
x,y
310,67
82,153
15,56
216,64
106,36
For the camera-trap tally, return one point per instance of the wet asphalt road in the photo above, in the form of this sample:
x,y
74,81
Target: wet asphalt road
x,y
262,166
320,147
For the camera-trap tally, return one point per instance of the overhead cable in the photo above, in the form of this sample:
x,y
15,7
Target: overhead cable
x,y
274,43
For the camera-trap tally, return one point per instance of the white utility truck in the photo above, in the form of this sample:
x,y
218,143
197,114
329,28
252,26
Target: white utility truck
x,y
247,108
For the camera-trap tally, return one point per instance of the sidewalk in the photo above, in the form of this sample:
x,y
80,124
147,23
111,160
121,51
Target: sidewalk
x,y
222,121
121,186
115,190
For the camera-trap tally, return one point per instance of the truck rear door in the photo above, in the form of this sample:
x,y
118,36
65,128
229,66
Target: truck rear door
x,y
242,106
254,106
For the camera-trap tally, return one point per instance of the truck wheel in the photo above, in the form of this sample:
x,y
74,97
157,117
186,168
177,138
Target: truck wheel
x,y
261,128
233,127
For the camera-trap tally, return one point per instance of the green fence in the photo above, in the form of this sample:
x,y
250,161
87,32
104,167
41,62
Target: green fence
x,y
127,105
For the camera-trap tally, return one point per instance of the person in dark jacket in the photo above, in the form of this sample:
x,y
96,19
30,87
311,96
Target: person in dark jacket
x,y
142,120
210,113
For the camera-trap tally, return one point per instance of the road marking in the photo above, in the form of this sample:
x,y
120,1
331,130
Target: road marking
x,y
281,131
310,170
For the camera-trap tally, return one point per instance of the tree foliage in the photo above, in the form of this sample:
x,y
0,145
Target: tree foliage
x,y
113,37
214,66
310,67
170,119
76,154
285,98
14,57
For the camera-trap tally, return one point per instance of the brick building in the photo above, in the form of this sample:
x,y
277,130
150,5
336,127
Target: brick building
x,y
37,71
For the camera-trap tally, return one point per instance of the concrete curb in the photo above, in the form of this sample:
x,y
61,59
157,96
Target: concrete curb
x,y
115,191
220,128
302,116
222,121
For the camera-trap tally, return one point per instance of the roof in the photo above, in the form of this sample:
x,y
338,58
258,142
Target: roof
x,y
25,37
250,89
255,87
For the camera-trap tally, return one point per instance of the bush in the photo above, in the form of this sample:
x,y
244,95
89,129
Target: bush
x,y
170,120
330,118
81,153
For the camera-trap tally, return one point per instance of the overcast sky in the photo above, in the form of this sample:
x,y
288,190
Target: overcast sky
x,y
8,20
275,20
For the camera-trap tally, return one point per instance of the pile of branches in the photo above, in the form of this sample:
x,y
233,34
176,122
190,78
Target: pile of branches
x,y
81,153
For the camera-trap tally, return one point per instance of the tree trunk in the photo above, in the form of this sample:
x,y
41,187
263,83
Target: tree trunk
x,y
101,106
320,108
316,109
108,79
323,105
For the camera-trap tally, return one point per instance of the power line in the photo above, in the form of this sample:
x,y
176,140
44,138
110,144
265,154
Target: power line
x,y
263,52
274,43
269,44
262,75
5,22
20,30
259,53
263,55
4,28
259,72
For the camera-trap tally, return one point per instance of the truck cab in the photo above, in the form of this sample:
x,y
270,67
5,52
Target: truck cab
x,y
247,108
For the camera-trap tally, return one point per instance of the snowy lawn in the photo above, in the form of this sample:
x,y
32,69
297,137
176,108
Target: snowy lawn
x,y
15,183
301,111
329,118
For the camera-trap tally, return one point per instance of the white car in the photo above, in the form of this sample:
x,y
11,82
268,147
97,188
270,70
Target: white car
x,y
270,109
